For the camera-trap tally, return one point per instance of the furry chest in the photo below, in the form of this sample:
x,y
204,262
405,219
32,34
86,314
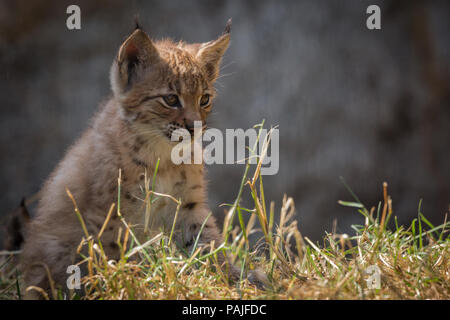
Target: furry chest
x,y
185,184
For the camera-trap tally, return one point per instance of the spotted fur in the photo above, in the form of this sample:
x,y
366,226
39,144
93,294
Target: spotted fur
x,y
131,132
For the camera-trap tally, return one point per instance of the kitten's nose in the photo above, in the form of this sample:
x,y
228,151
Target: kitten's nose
x,y
189,124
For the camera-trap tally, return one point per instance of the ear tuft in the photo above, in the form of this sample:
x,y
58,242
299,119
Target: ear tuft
x,y
210,53
136,22
227,27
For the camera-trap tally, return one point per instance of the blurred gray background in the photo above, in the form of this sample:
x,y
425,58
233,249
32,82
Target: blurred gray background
x,y
370,106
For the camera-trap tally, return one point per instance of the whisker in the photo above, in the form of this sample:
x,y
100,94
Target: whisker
x,y
226,75
227,65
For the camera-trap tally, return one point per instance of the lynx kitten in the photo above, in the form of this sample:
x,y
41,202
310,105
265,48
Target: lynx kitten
x,y
157,87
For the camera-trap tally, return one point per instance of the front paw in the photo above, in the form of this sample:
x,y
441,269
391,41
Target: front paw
x,y
259,279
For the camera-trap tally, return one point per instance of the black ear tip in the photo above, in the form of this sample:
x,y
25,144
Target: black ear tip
x,y
228,27
137,25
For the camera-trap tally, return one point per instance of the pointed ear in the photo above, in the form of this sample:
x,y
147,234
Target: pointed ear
x,y
135,55
210,53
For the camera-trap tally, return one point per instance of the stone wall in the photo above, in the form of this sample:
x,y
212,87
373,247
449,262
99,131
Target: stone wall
x,y
370,106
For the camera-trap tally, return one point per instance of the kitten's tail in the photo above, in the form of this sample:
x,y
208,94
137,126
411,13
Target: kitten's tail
x,y
17,224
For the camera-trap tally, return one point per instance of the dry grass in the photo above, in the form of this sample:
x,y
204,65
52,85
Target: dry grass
x,y
413,261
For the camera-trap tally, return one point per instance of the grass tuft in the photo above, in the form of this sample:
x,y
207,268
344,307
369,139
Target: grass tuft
x,y
375,263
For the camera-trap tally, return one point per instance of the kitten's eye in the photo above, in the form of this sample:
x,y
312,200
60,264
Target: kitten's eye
x,y
172,100
204,100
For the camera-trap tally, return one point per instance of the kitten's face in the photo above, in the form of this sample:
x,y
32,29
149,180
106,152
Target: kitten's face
x,y
164,86
172,94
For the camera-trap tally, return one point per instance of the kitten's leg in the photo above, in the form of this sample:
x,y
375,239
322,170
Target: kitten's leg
x,y
43,254
210,233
